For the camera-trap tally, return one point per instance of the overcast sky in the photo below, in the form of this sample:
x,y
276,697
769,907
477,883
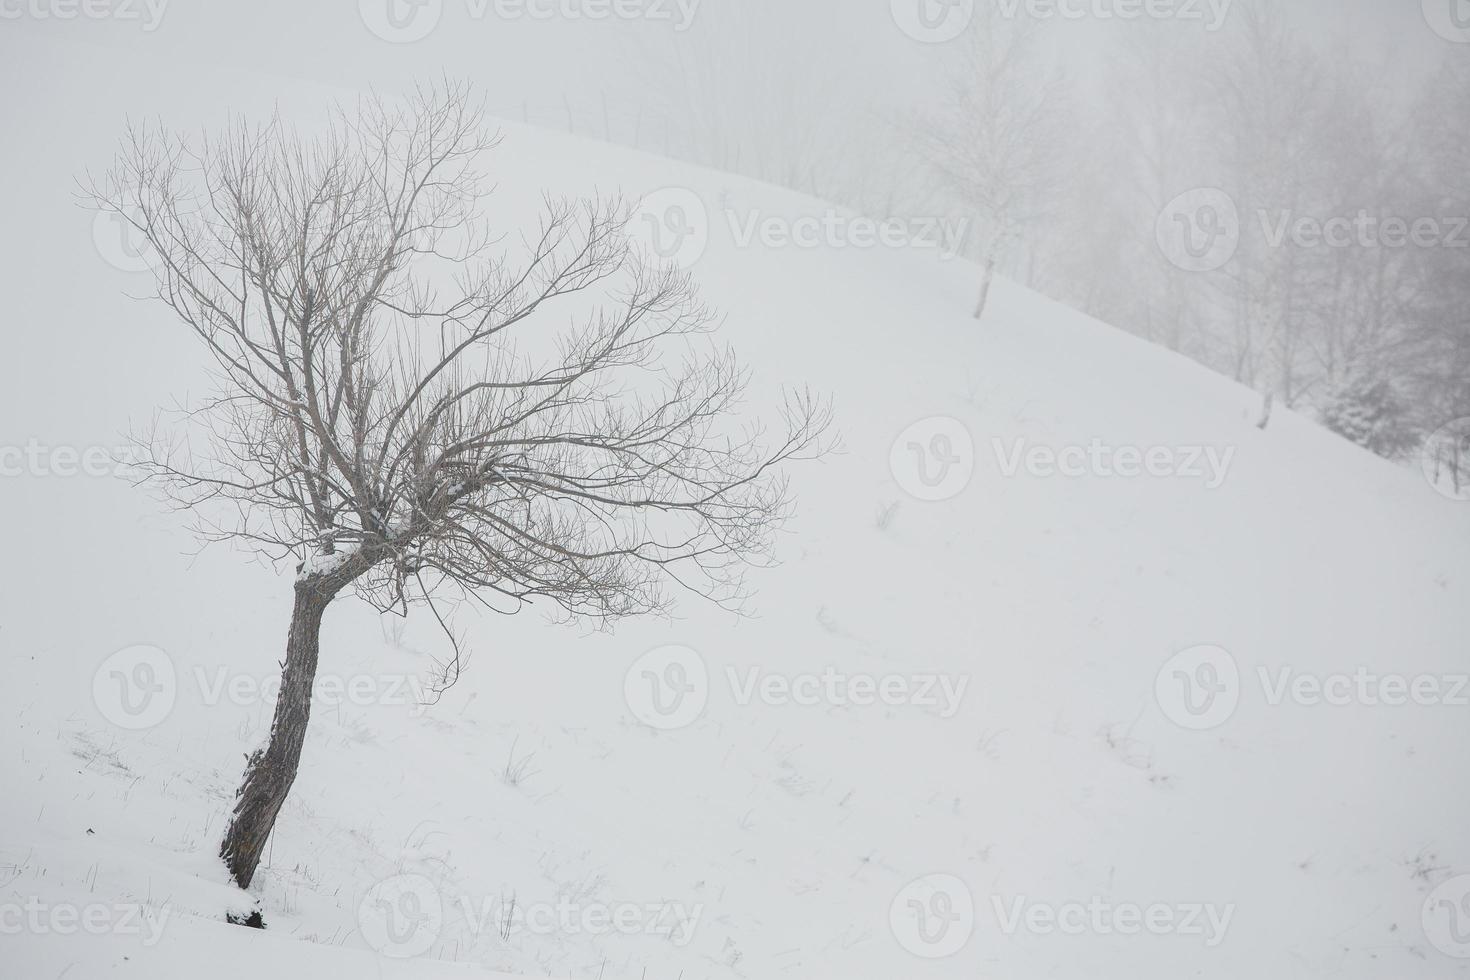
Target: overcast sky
x,y
521,57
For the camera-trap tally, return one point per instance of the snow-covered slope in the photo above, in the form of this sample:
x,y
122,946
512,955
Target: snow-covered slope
x,y
1001,733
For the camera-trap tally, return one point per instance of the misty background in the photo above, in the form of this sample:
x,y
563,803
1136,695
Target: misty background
x,y
1275,190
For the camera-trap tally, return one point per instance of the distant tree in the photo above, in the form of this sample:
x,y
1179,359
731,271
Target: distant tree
x,y
1370,413
1149,142
1266,99
1439,366
998,142
1358,325
411,412
774,117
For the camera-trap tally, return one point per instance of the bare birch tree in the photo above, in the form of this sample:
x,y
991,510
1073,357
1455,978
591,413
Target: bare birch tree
x,y
411,409
1268,99
997,144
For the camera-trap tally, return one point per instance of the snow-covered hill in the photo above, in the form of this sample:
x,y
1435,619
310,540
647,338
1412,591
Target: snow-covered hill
x,y
1058,722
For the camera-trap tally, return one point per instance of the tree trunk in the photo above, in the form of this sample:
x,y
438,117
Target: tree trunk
x,y
270,772
987,277
1268,401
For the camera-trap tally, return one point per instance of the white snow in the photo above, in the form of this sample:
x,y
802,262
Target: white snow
x,y
318,563
1299,839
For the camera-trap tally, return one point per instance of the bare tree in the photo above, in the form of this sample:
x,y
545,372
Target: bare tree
x,y
414,410
1268,98
734,95
998,142
1152,115
1440,367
